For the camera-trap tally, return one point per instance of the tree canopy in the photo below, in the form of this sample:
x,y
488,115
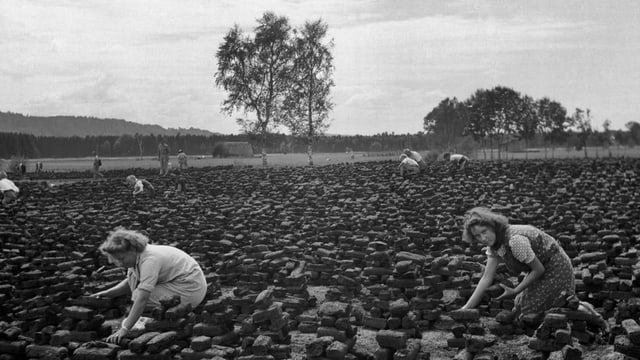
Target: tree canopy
x,y
309,101
280,75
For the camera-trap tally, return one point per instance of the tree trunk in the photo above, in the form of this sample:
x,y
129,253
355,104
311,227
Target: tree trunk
x,y
491,146
585,151
545,149
264,149
484,148
310,154
506,150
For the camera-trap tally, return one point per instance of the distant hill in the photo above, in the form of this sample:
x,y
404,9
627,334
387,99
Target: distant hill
x,y
66,126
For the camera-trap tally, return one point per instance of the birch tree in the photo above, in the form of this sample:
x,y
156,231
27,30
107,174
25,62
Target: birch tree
x,y
255,72
309,102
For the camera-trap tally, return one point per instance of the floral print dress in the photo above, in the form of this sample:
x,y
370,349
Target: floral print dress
x,y
523,243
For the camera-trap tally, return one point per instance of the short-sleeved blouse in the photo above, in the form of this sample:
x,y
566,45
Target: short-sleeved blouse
x,y
523,244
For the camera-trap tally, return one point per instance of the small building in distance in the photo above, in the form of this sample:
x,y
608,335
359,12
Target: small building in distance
x,y
232,148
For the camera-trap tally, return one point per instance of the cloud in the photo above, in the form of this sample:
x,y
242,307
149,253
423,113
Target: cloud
x,y
92,94
154,61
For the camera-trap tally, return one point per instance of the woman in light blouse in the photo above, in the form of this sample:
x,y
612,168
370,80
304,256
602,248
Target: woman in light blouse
x,y
153,272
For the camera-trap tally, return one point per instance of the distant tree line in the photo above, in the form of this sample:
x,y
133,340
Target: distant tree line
x,y
31,146
502,117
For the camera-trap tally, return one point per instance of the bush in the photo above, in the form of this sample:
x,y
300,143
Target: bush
x,y
219,150
376,146
430,155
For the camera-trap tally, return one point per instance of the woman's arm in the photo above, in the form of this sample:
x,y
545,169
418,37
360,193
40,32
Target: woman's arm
x,y
122,288
137,188
484,283
137,309
537,269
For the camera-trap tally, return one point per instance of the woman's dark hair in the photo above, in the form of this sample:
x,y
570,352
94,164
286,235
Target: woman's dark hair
x,y
485,217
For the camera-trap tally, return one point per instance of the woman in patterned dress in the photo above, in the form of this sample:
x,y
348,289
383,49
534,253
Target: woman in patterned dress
x,y
523,248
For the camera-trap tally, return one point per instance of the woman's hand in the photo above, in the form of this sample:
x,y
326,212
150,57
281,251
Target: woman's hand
x,y
116,337
508,292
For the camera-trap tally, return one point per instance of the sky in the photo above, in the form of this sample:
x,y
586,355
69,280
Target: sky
x,y
153,61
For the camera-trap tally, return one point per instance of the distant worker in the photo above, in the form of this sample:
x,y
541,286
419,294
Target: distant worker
x,y
97,163
8,189
458,159
22,167
140,186
415,156
182,160
163,157
409,165
180,186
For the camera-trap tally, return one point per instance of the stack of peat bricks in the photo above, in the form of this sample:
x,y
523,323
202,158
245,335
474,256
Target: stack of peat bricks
x,y
335,333
378,270
212,332
627,333
338,266
396,299
555,337
291,289
323,265
469,335
265,333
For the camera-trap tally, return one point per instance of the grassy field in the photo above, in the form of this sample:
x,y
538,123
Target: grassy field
x,y
300,159
561,153
86,163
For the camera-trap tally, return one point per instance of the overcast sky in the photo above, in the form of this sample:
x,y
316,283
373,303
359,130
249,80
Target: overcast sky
x,y
153,62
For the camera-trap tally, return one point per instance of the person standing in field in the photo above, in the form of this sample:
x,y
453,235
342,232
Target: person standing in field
x,y
182,159
22,167
8,189
163,157
97,163
408,165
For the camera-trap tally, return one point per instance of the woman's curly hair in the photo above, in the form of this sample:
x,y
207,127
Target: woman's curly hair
x,y
122,240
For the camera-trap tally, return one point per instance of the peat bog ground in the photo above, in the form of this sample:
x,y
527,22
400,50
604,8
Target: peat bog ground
x,y
349,251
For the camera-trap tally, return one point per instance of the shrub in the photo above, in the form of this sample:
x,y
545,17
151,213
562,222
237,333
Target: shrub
x,y
376,146
219,150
